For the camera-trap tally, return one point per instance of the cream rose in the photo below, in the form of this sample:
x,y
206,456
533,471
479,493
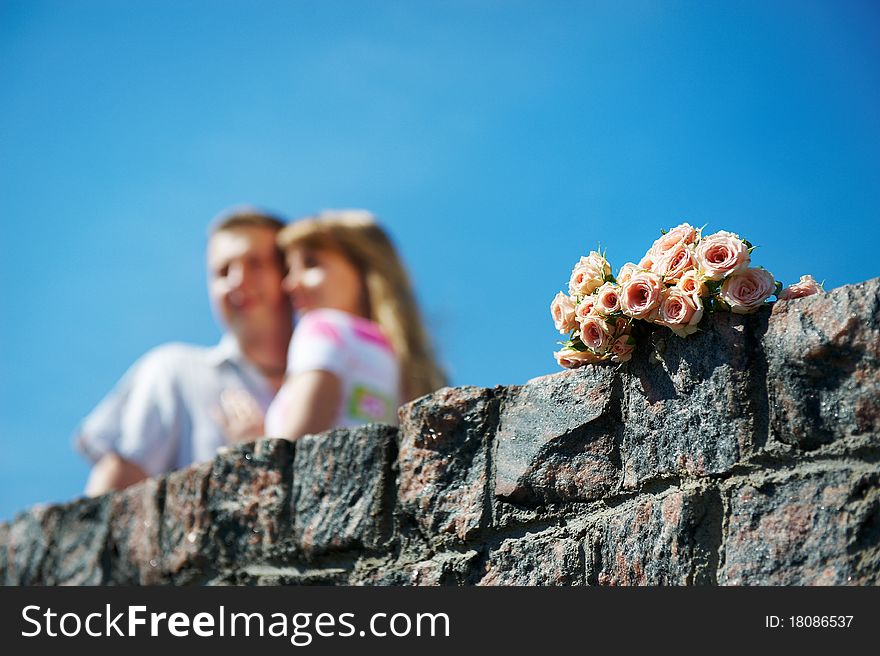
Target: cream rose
x,y
588,274
626,272
640,296
595,334
745,292
562,310
622,348
680,312
684,233
571,359
585,308
721,254
608,298
692,283
807,286
675,262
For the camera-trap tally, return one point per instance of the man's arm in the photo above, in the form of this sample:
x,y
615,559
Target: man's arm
x,y
134,432
112,473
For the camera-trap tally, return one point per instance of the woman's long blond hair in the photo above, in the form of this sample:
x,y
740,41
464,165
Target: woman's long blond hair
x,y
390,299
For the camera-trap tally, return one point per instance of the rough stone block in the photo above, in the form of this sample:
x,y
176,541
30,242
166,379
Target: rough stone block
x,y
823,355
556,438
260,575
185,546
343,489
248,499
77,543
231,510
381,570
669,539
550,558
30,540
134,522
694,406
4,554
444,569
818,527
443,460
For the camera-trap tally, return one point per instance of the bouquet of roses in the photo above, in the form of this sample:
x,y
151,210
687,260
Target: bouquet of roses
x,y
681,278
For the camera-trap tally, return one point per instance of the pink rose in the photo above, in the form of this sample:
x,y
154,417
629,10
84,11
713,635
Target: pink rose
x,y
640,296
806,287
585,308
680,312
626,272
745,292
608,298
721,255
622,348
680,234
675,262
622,326
692,283
562,310
588,274
647,262
595,334
571,359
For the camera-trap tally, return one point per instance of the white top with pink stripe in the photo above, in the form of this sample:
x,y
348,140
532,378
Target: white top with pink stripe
x,y
356,351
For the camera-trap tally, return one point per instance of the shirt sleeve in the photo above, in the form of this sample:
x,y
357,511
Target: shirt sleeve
x,y
139,420
319,344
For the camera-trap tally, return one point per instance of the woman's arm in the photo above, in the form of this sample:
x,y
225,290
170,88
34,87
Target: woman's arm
x,y
306,404
113,472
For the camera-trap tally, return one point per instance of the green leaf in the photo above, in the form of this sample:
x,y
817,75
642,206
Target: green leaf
x,y
576,344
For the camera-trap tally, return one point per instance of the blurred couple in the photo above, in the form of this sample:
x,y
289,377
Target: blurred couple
x,y
358,350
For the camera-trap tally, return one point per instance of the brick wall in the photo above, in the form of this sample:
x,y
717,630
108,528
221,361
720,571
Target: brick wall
x,y
746,454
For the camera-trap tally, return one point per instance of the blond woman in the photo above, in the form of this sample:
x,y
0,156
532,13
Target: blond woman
x,y
359,348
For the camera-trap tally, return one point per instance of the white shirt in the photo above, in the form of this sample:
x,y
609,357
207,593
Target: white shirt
x,y
356,351
162,414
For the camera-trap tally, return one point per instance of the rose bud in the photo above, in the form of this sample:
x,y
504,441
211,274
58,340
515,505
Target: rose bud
x,y
562,310
680,234
571,359
807,286
588,274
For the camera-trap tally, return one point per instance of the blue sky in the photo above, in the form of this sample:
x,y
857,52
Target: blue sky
x,y
497,141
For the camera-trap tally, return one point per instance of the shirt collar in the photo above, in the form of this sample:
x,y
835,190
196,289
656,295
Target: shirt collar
x,y
228,350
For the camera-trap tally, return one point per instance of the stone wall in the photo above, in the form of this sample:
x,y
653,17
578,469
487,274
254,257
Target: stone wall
x,y
746,454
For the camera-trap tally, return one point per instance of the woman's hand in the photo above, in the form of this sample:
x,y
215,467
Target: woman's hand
x,y
239,416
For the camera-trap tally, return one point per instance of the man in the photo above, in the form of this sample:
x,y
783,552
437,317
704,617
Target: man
x,y
165,413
